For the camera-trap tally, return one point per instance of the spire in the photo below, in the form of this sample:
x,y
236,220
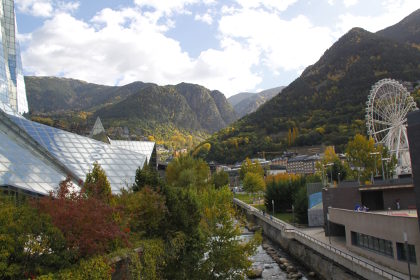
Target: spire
x,y
98,128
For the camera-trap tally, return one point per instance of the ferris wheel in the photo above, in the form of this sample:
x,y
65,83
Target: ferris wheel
x,y
386,121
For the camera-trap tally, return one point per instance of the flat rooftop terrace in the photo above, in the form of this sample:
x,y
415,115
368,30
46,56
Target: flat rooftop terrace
x,y
400,213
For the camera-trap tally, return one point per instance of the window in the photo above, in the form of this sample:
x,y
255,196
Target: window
x,y
402,254
372,243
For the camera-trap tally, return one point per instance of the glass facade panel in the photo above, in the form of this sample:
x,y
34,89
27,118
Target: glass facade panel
x,y
402,252
142,147
21,167
372,243
12,85
113,159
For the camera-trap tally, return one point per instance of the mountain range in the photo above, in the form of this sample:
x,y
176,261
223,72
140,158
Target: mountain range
x,y
326,104
245,103
144,108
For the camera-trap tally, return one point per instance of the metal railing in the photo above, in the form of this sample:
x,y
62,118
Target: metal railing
x,y
291,229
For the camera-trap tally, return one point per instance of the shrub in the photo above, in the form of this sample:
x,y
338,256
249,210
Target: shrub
x,y
87,223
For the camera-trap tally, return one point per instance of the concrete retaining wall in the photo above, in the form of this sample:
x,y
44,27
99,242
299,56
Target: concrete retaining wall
x,y
316,262
327,264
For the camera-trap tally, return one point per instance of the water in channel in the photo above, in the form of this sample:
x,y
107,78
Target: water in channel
x,y
270,269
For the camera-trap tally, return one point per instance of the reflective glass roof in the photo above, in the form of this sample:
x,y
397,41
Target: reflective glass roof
x,y
24,168
142,147
6,108
78,153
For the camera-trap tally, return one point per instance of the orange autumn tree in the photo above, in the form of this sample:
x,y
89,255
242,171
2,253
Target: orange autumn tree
x,y
86,222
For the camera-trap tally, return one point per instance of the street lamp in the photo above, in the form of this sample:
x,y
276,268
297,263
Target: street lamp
x,y
272,203
339,178
328,224
375,153
382,161
329,164
293,213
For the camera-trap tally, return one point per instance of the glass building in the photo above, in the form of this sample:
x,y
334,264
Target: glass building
x,y
12,85
146,148
35,158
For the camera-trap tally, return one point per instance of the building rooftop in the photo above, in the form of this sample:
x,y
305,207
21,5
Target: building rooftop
x,y
412,213
76,153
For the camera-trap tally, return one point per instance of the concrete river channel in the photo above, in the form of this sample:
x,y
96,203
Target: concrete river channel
x,y
264,262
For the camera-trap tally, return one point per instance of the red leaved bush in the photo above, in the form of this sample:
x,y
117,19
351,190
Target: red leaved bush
x,y
87,223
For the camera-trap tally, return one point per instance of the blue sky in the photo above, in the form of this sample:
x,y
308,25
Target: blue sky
x,y
232,46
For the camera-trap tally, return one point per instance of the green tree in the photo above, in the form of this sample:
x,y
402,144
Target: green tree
x,y
146,176
361,153
220,179
282,194
227,256
338,171
29,243
202,238
186,171
183,239
97,184
283,191
301,205
202,151
253,183
249,166
144,212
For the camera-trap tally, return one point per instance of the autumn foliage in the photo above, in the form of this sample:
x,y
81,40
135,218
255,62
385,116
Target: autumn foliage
x,y
86,222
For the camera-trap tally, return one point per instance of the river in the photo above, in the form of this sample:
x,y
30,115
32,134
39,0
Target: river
x,y
270,269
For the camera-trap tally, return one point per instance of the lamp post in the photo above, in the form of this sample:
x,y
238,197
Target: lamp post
x,y
407,255
272,203
328,225
338,178
375,153
329,164
293,214
383,170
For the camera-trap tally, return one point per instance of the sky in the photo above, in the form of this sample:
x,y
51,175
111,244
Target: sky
x,y
232,46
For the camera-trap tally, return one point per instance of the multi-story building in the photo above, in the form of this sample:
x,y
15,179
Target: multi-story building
x,y
302,164
380,221
279,161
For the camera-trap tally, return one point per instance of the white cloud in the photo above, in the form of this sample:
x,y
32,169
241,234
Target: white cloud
x,y
228,69
349,3
394,11
277,5
119,47
331,2
45,8
165,6
206,18
67,6
284,44
38,8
